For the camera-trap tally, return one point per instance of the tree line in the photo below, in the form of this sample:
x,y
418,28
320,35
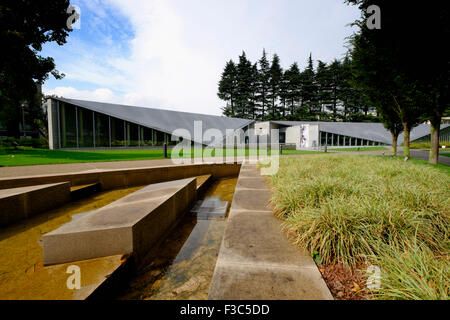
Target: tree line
x,y
403,65
264,91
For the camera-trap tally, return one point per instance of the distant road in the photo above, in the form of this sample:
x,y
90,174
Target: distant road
x,y
424,154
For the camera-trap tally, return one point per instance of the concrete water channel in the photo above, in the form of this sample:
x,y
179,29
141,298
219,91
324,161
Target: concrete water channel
x,y
149,233
183,265
29,272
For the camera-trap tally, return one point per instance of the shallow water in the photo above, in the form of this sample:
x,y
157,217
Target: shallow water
x,y
21,253
184,263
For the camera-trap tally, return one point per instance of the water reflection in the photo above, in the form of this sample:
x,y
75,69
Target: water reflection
x,y
184,263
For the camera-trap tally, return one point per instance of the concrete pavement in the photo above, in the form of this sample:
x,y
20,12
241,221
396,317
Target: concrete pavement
x,y
256,260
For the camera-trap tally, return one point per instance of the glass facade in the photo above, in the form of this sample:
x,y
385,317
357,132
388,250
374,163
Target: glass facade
x,y
132,134
101,130
83,128
146,136
337,140
159,138
117,132
68,123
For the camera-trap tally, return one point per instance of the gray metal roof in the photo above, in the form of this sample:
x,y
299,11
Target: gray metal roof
x,y
364,130
163,120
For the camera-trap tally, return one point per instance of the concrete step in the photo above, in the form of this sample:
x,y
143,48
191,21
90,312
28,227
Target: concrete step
x,y
130,225
210,208
256,260
24,202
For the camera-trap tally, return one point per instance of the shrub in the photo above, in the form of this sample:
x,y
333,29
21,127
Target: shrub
x,y
426,145
34,143
365,209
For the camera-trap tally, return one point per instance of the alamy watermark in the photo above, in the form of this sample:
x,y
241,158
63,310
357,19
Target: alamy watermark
x,y
74,20
374,277
212,146
374,20
74,280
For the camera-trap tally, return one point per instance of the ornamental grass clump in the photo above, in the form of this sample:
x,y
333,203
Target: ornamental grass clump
x,y
367,209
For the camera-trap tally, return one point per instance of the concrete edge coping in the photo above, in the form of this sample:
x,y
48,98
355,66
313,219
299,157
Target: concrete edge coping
x,y
117,230
232,274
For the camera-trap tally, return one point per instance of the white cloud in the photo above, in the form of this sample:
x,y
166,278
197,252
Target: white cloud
x,y
104,95
101,94
179,48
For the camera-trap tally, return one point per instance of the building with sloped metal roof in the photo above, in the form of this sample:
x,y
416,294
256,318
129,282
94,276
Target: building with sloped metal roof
x,y
89,124
314,134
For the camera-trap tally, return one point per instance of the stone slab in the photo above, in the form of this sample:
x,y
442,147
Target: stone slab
x,y
243,241
24,202
132,224
252,199
256,260
267,282
114,178
210,208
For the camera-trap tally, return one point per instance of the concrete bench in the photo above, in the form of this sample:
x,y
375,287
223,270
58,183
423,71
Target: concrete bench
x,y
24,202
132,224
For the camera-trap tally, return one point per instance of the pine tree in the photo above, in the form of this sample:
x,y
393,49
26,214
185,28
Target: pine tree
x,y
284,94
324,93
227,88
334,73
253,106
309,91
244,86
275,82
293,89
263,85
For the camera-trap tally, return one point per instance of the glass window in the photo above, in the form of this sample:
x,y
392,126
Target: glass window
x,y
68,125
85,125
159,138
282,137
101,130
132,134
117,132
330,139
146,136
322,138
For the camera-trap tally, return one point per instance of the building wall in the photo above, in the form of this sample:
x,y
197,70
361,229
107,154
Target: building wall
x,y
444,136
303,136
52,118
293,136
313,136
71,126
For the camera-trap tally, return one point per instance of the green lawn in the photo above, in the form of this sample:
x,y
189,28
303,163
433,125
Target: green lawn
x,y
30,156
360,149
371,210
444,154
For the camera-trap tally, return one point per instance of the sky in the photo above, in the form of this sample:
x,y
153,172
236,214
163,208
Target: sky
x,y
170,54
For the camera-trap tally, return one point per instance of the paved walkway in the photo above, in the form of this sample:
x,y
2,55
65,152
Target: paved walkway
x,y
256,260
78,167
46,169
